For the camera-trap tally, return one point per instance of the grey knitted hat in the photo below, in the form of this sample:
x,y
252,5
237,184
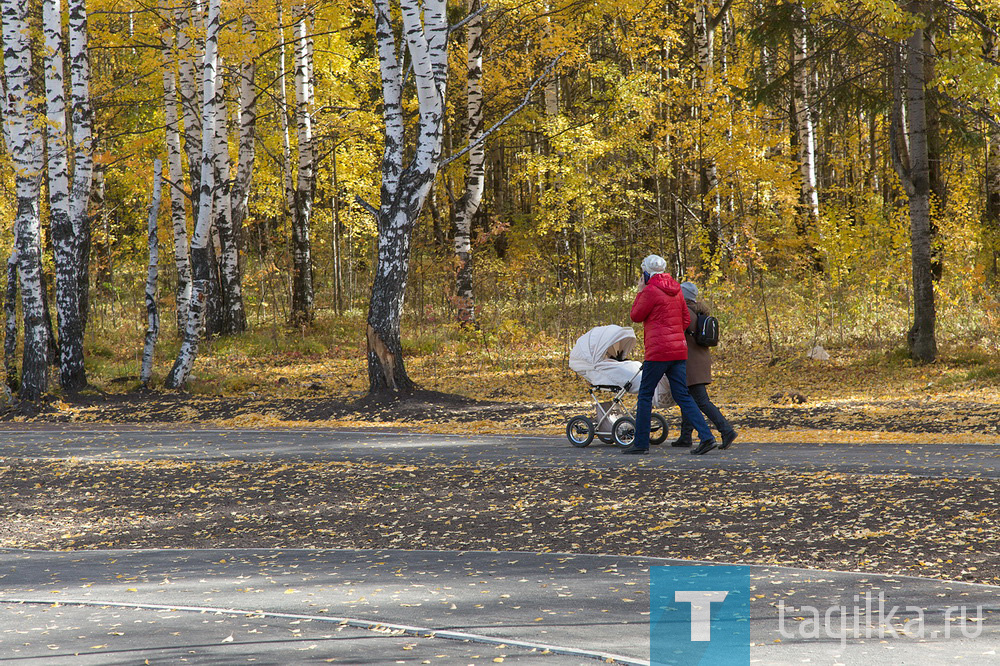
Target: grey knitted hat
x,y
690,291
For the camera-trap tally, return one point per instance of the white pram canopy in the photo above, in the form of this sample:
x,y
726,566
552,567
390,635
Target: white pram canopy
x,y
600,357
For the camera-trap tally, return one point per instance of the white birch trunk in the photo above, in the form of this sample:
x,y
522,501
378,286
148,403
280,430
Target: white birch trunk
x,y
200,244
248,130
806,134
81,119
10,312
286,145
152,313
711,202
190,53
469,203
302,286
234,316
175,169
404,189
72,372
27,157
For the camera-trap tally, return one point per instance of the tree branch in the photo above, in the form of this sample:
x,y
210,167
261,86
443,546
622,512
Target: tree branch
x,y
367,206
502,121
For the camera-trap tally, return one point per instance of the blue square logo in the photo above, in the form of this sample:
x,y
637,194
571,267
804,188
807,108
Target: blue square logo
x,y
700,615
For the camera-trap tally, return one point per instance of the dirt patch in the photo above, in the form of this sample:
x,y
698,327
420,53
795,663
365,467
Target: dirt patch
x,y
432,407
944,528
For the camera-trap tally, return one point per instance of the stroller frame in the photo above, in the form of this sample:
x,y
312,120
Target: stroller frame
x,y
608,413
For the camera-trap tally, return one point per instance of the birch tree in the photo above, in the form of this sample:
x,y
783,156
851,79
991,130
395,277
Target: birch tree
x,y
81,119
234,315
152,312
475,178
404,184
910,157
27,154
302,284
10,324
200,240
248,129
805,131
71,367
175,170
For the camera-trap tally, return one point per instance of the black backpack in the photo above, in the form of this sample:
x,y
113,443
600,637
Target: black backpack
x,y
706,330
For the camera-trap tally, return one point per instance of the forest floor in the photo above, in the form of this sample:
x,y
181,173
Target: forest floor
x,y
854,397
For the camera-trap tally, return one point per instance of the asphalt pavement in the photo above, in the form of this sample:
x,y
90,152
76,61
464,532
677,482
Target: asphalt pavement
x,y
446,607
118,443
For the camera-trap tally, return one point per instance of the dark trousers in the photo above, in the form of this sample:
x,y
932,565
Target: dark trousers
x,y
676,372
699,392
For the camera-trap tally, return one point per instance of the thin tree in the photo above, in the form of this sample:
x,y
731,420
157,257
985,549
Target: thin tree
x,y
475,178
200,240
152,312
302,284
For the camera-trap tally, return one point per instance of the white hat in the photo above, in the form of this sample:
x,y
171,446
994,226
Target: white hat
x,y
654,264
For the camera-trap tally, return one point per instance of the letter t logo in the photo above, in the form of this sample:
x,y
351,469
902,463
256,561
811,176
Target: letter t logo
x,y
701,610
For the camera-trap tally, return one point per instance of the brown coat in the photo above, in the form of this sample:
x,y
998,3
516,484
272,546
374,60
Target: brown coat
x,y
699,363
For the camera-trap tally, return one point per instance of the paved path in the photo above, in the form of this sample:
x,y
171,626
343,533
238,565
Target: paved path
x,y
330,606
961,460
287,606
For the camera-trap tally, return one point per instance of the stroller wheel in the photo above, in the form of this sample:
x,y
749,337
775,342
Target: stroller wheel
x,y
580,431
624,431
657,429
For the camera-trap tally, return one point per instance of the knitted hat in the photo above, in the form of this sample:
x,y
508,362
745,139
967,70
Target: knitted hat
x,y
690,291
654,264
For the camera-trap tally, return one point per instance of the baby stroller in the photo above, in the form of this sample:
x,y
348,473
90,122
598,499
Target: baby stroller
x,y
600,357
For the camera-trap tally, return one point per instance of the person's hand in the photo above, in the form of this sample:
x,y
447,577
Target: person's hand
x,y
640,283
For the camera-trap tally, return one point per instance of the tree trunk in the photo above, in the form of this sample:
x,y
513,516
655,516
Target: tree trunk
x,y
248,131
404,189
302,284
178,213
10,312
72,373
991,209
711,204
200,241
82,188
805,131
468,205
152,313
26,153
231,281
910,156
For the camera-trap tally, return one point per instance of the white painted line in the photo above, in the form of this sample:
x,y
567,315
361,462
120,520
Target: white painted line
x,y
403,629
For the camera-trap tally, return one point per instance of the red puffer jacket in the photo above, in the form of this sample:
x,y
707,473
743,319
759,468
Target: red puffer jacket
x,y
664,316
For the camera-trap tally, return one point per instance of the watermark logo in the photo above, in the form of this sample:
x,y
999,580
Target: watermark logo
x,y
871,616
699,615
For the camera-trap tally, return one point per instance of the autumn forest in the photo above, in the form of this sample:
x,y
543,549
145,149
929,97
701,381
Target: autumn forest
x,y
178,172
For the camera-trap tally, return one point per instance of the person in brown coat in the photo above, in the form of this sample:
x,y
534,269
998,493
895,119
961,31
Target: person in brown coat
x,y
699,375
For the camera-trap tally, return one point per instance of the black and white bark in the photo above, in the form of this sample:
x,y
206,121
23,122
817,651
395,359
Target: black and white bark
x,y
468,204
910,157
247,132
191,53
27,155
804,113
81,189
404,184
991,209
234,315
302,283
10,327
72,373
175,175
201,239
152,312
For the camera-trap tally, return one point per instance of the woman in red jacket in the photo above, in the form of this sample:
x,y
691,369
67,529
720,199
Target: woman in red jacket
x,y
660,307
